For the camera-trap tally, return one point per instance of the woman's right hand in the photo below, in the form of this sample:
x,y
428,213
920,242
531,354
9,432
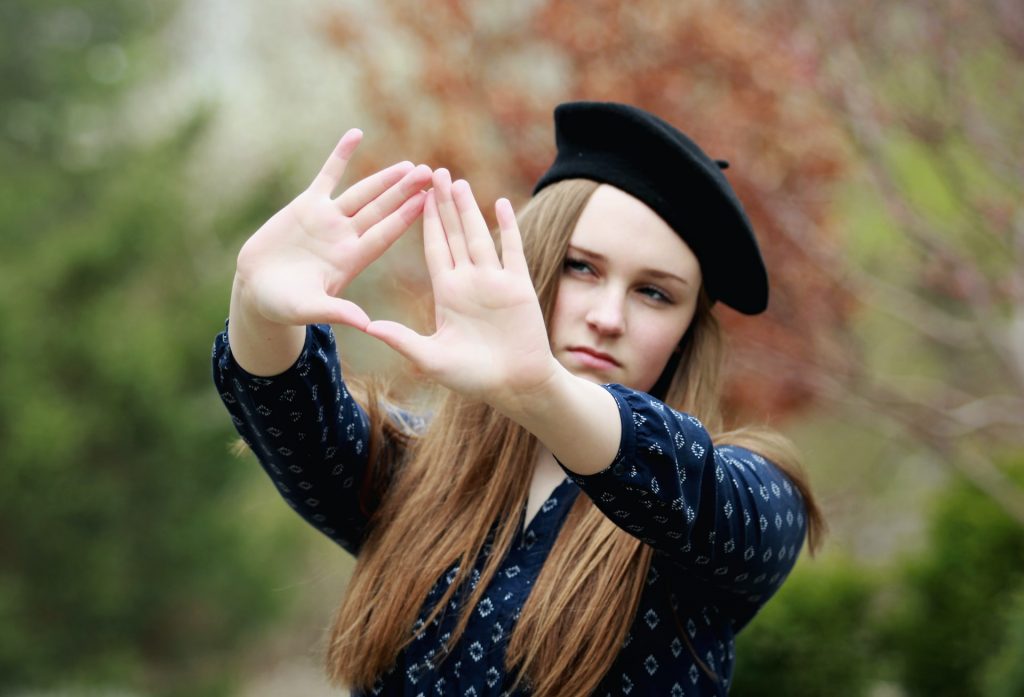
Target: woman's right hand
x,y
292,270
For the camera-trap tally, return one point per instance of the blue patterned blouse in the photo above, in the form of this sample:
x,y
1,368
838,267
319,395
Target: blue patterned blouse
x,y
725,524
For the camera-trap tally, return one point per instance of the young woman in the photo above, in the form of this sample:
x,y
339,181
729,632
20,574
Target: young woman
x,y
572,520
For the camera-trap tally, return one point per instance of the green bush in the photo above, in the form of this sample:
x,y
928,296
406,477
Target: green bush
x,y
813,638
957,597
1003,675
946,623
128,550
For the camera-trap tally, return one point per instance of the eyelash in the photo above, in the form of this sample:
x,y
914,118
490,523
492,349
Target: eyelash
x,y
580,266
573,264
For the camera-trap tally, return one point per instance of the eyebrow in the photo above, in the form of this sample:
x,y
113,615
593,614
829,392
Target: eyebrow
x,y
650,272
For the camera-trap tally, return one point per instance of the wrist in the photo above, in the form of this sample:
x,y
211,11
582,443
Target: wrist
x,y
259,345
576,419
546,399
519,396
245,308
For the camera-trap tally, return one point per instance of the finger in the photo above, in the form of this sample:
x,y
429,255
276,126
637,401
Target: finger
x,y
381,236
478,237
512,257
449,215
435,246
411,345
332,171
331,310
365,190
392,199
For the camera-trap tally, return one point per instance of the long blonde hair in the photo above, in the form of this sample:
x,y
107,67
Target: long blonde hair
x,y
471,471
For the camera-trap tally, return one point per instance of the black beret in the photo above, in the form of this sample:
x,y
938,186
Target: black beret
x,y
650,159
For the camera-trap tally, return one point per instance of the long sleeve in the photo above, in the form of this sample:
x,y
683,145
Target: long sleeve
x,y
309,434
724,514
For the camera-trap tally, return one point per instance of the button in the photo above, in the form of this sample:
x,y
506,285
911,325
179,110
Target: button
x,y
618,468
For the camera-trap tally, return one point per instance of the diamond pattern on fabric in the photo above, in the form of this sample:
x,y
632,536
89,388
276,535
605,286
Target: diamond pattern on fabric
x,y
725,524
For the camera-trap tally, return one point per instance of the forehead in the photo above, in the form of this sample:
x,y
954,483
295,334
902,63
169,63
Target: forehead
x,y
624,230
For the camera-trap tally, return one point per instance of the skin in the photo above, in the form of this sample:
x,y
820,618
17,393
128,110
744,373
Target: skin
x,y
629,290
292,270
490,341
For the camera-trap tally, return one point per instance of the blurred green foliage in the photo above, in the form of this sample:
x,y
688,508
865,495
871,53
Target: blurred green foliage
x,y
126,554
948,622
814,637
958,595
1004,672
137,555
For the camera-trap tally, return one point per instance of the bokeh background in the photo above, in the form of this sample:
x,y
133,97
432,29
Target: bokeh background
x,y
879,148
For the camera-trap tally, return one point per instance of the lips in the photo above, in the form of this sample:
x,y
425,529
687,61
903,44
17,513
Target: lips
x,y
593,358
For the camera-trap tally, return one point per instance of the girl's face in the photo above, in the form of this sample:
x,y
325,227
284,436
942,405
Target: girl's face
x,y
627,294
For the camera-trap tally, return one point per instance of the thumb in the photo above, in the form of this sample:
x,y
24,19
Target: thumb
x,y
332,310
411,345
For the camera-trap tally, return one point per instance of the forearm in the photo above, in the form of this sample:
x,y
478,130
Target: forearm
x,y
725,514
308,433
261,347
577,420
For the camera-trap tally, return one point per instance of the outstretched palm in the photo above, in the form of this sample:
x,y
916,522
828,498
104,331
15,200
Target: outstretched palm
x,y
490,340
294,267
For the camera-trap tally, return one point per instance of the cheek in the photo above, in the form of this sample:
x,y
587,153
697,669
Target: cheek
x,y
661,332
657,340
658,348
561,314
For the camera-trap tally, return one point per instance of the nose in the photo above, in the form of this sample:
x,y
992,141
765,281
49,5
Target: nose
x,y
606,314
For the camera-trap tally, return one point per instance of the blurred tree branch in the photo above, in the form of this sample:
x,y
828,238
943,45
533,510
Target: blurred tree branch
x,y
480,81
941,81
914,107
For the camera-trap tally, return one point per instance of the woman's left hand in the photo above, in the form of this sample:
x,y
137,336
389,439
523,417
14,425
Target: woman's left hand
x,y
490,339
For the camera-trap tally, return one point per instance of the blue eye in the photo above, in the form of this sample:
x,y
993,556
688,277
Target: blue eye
x,y
577,265
655,294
